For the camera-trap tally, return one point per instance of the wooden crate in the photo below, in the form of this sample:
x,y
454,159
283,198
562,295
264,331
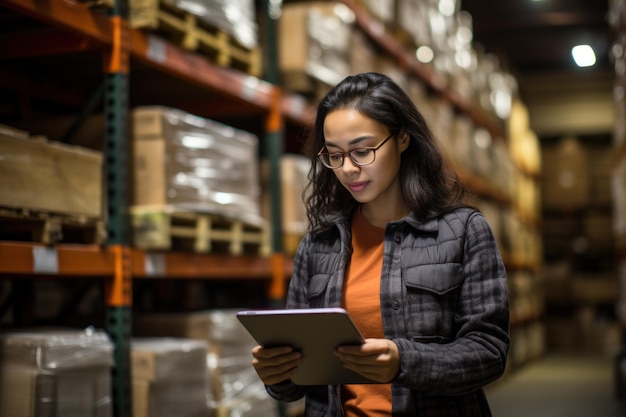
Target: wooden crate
x,y
166,228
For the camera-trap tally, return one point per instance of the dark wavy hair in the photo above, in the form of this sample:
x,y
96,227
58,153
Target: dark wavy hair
x,y
429,185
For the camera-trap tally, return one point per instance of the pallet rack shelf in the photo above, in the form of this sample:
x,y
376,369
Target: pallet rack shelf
x,y
27,260
123,52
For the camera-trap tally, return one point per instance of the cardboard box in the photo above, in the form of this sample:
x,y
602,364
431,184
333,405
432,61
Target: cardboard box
x,y
235,388
315,40
55,373
50,177
293,176
196,164
169,377
565,179
169,359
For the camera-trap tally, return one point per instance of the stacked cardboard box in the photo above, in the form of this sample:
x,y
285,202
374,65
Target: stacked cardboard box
x,y
314,44
234,387
169,377
192,163
55,373
50,177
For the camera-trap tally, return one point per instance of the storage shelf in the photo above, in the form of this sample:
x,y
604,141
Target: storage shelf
x,y
19,260
28,259
96,29
198,70
202,266
234,91
409,62
162,73
74,17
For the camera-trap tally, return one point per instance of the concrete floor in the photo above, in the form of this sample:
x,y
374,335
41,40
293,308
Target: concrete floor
x,y
558,386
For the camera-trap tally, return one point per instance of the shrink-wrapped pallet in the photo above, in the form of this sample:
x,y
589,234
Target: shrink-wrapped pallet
x,y
192,163
234,387
314,44
169,377
235,17
55,373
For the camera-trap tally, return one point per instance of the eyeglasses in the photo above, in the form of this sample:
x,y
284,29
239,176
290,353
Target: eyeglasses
x,y
358,156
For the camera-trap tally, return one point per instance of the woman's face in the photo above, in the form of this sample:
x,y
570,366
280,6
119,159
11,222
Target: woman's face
x,y
375,184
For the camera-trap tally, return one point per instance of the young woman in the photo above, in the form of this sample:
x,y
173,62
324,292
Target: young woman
x,y
392,241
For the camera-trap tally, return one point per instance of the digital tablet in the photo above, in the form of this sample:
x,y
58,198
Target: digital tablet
x,y
316,333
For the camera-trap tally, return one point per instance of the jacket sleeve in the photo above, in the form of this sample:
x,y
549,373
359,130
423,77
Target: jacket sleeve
x,y
477,353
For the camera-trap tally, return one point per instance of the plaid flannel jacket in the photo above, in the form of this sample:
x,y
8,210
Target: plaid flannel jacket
x,y
444,302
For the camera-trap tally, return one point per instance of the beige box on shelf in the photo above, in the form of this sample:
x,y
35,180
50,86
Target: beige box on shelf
x,y
565,179
193,163
55,373
314,41
235,388
293,176
169,377
50,177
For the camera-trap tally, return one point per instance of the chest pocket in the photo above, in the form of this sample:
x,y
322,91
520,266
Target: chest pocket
x,y
432,293
317,289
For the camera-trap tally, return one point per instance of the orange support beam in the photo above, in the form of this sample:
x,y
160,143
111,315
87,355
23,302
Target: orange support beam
x,y
117,58
120,289
278,288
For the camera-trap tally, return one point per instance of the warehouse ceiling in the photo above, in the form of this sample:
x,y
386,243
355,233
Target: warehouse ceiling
x,y
534,38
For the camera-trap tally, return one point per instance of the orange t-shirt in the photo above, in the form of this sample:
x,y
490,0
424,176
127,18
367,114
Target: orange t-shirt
x,y
362,301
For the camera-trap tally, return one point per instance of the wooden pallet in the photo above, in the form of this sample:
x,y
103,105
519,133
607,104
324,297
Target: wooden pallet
x,y
49,228
165,228
189,32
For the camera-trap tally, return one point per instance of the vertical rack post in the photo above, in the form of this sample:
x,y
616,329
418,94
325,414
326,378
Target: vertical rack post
x,y
119,289
274,147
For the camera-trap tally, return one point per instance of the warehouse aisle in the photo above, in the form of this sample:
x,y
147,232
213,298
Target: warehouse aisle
x,y
558,386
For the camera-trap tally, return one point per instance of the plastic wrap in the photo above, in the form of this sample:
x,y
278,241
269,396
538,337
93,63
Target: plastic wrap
x,y
241,392
169,377
235,17
319,40
235,388
55,373
169,359
193,163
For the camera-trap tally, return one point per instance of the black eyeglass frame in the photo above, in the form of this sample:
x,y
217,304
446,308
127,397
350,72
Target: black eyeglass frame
x,y
321,154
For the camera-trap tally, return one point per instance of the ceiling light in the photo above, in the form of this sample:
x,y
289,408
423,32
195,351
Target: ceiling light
x,y
583,55
424,54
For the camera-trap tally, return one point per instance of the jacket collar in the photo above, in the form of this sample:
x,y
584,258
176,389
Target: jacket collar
x,y
429,225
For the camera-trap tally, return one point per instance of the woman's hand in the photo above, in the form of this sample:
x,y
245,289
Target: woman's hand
x,y
376,359
274,365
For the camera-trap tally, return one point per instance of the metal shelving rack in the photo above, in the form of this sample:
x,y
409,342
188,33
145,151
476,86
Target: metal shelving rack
x,y
117,263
